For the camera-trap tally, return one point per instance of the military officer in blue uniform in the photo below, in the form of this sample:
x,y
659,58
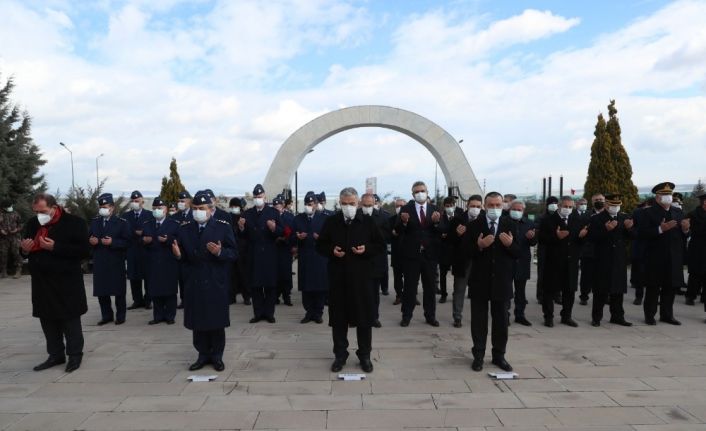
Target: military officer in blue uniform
x,y
321,198
260,227
206,247
182,216
284,253
239,276
216,211
163,268
312,276
109,236
136,253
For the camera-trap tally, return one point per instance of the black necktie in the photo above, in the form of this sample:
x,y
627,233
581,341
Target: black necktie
x,y
348,221
104,223
159,223
201,228
492,227
137,215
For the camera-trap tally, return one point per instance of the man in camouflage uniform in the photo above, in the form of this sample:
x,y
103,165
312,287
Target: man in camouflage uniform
x,y
10,226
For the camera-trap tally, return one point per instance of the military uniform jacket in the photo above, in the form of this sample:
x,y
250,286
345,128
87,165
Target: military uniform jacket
x,y
664,252
222,215
284,249
163,268
350,277
610,252
262,250
523,263
136,252
109,260
8,223
696,257
312,275
414,236
560,254
493,267
205,275
587,251
183,216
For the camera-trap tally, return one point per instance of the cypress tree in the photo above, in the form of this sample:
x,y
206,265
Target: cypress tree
x,y
172,186
602,177
621,162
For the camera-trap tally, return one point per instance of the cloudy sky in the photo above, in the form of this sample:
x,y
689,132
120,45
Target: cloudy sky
x,y
219,85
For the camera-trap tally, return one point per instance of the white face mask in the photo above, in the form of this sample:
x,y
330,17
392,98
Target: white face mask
x,y
9,209
515,215
104,212
450,211
552,207
181,206
367,210
259,202
676,205
135,205
473,212
397,210
506,206
376,206
235,210
613,210
158,213
565,212
420,197
200,216
494,213
171,213
349,211
320,207
666,199
309,209
43,218
583,208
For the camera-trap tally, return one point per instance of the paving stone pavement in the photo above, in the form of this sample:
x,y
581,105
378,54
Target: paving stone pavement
x,y
134,376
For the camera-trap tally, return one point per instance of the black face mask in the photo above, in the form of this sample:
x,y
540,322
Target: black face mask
x,y
598,205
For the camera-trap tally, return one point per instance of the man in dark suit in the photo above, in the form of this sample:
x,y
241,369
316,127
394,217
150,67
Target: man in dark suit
x,y
494,249
446,254
239,272
608,232
552,205
386,233
284,253
396,254
696,254
562,234
420,227
664,230
207,247
587,259
137,252
461,265
380,267
183,215
526,238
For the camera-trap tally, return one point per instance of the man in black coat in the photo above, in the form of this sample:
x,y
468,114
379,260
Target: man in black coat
x,y
420,227
608,232
351,241
562,234
587,259
494,249
461,264
447,248
637,253
526,237
552,205
367,206
696,254
206,248
55,242
109,236
664,230
137,252
239,272
396,253
183,215
386,233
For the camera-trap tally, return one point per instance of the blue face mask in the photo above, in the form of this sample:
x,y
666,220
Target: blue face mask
x,y
515,215
494,213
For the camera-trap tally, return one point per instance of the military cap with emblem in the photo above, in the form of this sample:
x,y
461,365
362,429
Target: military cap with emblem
x,y
613,199
105,199
202,198
278,200
184,195
665,188
309,197
158,202
135,194
258,190
172,206
322,197
210,193
678,197
234,202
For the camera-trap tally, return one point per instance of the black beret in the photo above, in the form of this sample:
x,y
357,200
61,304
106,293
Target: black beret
x,y
258,190
310,197
105,199
158,202
184,195
135,195
202,198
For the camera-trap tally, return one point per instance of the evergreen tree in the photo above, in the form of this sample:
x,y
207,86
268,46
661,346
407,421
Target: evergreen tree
x,y
602,177
621,162
84,202
172,186
20,158
699,188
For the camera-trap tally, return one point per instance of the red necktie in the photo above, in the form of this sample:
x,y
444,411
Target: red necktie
x,y
422,217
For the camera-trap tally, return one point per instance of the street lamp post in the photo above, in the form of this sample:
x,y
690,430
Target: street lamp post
x,y
73,183
97,178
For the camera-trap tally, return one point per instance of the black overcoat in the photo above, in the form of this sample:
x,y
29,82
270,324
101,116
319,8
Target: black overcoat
x,y
664,252
561,257
137,252
163,268
610,253
109,260
523,264
696,255
262,249
312,275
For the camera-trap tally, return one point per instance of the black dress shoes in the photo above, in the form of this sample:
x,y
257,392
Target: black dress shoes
x,y
637,301
104,321
385,292
288,302
197,365
50,362
305,320
670,320
366,365
442,299
457,323
73,364
583,301
170,322
218,365
477,365
404,323
650,321
502,364
153,322
621,322
120,321
255,319
377,324
689,301
319,320
596,323
338,365
270,320
433,322
523,321
549,323
568,321
148,306
135,306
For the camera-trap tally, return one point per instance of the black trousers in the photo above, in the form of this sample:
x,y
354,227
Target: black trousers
x,y
382,283
56,330
340,341
443,271
425,268
138,297
210,344
376,286
314,304
398,282
541,252
662,294
567,296
615,301
696,286
164,307
107,308
284,287
182,284
479,327
263,301
520,298
586,280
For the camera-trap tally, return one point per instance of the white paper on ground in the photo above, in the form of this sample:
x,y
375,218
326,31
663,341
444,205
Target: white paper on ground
x,y
351,376
196,378
504,376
